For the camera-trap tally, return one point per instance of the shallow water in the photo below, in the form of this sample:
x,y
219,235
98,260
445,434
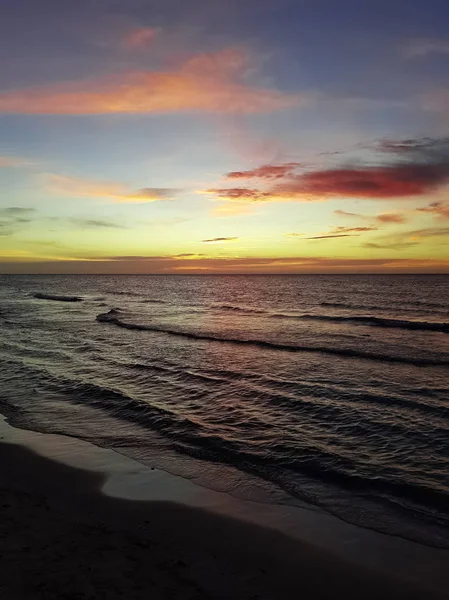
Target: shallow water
x,y
331,390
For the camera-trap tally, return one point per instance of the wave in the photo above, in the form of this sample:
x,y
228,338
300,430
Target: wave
x,y
416,304
381,322
57,298
242,309
111,317
362,320
121,293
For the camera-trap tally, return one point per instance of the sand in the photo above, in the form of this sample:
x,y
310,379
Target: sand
x,y
60,537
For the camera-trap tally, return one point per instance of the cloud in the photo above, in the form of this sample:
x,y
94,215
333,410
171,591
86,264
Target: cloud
x,y
325,237
241,194
17,211
12,161
414,167
390,217
21,262
344,213
421,48
139,38
206,83
354,229
94,223
406,239
265,172
438,209
12,217
218,240
390,245
436,101
399,181
117,192
336,232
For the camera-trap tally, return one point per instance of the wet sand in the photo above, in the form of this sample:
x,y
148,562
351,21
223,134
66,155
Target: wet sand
x,y
61,537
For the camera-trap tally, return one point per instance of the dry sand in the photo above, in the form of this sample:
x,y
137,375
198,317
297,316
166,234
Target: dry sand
x,y
60,537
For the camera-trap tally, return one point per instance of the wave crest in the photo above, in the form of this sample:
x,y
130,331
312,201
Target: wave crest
x,y
112,317
57,298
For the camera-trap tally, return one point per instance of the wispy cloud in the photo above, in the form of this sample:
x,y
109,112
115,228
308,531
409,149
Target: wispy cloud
x,y
219,240
387,217
345,213
422,47
338,229
266,172
438,209
240,194
405,239
335,232
17,211
332,235
13,161
117,192
94,223
206,82
139,38
435,101
12,218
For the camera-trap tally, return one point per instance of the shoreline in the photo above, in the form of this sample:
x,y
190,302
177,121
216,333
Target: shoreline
x,y
271,545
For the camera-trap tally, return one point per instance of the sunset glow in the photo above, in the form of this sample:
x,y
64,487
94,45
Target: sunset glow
x,y
142,139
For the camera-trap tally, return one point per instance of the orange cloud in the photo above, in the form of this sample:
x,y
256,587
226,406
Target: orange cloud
x,y
117,192
391,218
206,82
139,38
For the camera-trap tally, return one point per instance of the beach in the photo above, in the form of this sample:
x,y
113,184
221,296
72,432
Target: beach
x,y
62,537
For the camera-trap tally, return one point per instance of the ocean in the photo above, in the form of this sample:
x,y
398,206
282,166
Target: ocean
x,y
328,392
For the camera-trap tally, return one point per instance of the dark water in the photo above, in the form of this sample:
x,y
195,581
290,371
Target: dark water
x,y
329,390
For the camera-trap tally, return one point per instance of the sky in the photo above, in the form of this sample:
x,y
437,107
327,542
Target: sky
x,y
246,136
